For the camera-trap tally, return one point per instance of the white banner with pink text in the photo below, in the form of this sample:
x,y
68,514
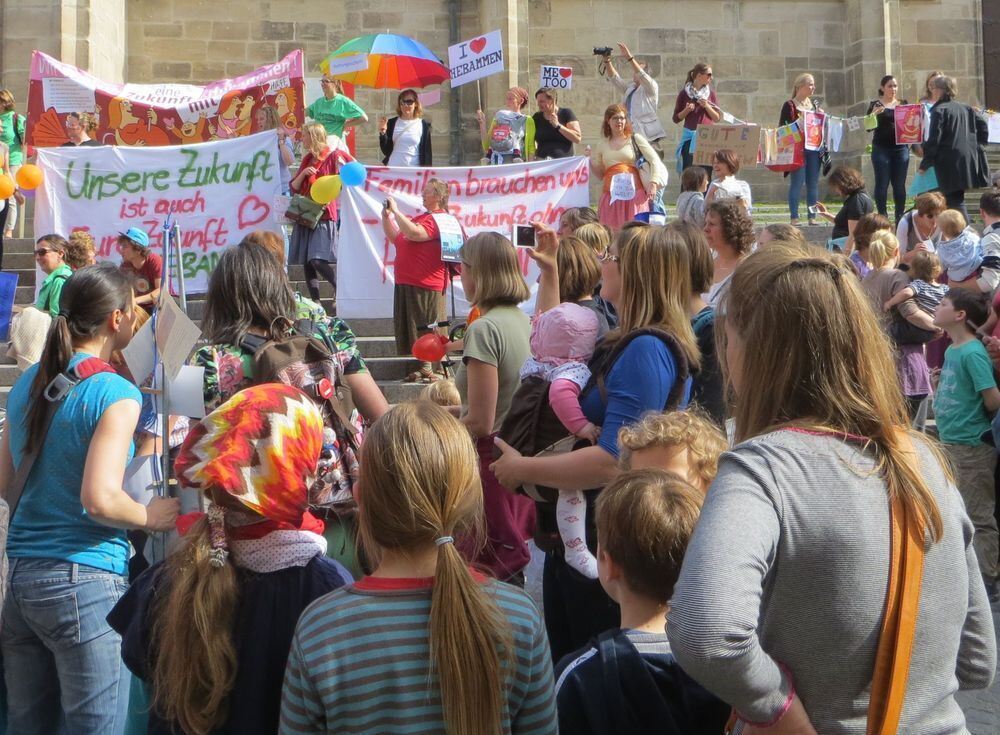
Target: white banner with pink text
x,y
483,198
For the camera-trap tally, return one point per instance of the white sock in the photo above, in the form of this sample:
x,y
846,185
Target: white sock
x,y
571,512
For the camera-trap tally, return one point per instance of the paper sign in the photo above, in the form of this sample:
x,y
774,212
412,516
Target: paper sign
x,y
347,64
452,237
138,353
622,187
140,478
909,121
476,58
8,289
176,336
854,124
993,121
185,393
67,95
744,140
812,125
728,119
871,122
557,77
429,98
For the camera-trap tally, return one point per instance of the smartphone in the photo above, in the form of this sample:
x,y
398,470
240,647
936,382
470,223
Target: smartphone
x,y
814,210
385,204
524,236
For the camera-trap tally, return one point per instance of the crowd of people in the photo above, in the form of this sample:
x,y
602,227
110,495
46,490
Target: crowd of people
x,y
716,438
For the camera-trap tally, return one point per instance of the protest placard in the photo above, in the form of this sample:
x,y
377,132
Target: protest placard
x,y
482,198
557,77
909,124
743,139
622,187
812,128
993,123
476,58
217,193
347,64
160,114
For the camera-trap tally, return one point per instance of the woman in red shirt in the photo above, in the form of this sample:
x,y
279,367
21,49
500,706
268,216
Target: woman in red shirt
x,y
316,249
421,276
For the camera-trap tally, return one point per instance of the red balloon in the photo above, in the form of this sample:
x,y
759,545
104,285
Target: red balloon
x,y
430,348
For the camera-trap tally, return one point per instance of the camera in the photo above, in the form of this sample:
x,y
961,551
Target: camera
x,y
602,51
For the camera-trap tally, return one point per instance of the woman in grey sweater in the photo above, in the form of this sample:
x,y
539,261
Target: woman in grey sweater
x,y
780,602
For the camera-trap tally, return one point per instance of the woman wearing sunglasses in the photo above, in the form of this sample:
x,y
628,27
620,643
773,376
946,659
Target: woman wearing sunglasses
x,y
50,256
405,140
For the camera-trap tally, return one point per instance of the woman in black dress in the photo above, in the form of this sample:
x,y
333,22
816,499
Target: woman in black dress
x,y
556,128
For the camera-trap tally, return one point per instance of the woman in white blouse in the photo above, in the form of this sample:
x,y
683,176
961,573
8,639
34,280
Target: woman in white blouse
x,y
405,140
725,185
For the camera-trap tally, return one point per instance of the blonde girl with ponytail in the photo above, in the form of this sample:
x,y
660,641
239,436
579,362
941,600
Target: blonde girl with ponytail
x,y
789,567
424,643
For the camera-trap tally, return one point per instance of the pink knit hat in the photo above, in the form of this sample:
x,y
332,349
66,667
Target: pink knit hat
x,y
567,333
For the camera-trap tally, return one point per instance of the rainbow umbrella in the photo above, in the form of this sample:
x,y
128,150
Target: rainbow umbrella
x,y
394,62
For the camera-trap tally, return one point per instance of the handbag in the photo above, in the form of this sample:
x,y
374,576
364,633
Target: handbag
x,y
302,210
643,165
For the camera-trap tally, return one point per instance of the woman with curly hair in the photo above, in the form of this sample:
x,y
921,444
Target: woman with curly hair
x,y
730,235
80,250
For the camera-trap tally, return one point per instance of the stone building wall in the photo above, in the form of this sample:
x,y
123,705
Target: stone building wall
x,y
756,47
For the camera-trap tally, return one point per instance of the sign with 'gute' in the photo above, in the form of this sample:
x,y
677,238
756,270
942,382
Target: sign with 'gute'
x,y
476,58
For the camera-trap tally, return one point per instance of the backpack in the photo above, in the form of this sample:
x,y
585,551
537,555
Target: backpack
x,y
532,427
305,360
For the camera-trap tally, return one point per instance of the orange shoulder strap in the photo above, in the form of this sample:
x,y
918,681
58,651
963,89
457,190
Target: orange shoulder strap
x,y
895,643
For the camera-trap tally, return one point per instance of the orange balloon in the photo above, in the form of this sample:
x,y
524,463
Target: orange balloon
x,y
29,176
6,186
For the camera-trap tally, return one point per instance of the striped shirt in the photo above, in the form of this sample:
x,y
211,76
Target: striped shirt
x,y
360,663
927,295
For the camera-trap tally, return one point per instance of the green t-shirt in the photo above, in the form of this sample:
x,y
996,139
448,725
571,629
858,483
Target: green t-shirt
x,y
51,290
10,139
332,114
958,405
500,337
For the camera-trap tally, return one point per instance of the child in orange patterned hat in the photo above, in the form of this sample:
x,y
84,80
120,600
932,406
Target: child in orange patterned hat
x,y
209,628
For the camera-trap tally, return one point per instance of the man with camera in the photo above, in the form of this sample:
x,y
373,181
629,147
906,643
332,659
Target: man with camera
x,y
642,96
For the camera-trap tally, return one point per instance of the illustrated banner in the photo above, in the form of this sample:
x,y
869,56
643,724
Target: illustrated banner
x,y
216,192
482,198
161,114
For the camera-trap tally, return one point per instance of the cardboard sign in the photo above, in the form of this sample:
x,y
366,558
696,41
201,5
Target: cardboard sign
x,y
744,140
909,120
557,77
476,58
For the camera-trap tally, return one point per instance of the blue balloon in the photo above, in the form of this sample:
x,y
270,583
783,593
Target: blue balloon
x,y
353,174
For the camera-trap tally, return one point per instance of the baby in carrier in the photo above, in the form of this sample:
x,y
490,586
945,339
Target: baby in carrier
x,y
562,342
960,251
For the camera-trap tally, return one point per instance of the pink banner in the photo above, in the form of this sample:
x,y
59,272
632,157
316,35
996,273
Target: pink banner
x,y
161,114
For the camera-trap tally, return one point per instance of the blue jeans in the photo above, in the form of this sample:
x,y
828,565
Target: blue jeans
x,y
808,174
62,662
891,166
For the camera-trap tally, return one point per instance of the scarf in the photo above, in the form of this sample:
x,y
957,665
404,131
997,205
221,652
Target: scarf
x,y
697,94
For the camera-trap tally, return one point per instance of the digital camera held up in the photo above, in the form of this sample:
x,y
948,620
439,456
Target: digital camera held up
x,y
602,51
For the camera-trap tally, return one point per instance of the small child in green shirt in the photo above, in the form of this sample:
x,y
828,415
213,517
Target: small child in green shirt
x,y
966,395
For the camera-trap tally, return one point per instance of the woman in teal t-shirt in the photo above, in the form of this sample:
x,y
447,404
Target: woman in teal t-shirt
x,y
335,110
67,544
50,256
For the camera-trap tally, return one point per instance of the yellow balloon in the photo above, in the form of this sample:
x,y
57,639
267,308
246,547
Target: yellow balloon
x,y
325,189
6,186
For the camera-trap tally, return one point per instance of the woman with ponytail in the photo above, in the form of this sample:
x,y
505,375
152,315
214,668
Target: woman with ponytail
x,y
782,608
208,629
424,644
67,545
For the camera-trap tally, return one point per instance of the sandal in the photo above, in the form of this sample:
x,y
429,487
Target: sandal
x,y
423,375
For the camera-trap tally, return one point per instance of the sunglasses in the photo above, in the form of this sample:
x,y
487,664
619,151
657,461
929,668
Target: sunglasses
x,y
607,257
42,251
408,102
619,118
